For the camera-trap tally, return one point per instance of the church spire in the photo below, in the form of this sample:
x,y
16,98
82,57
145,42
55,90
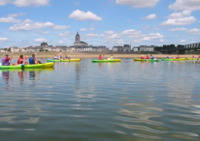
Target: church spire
x,y
77,38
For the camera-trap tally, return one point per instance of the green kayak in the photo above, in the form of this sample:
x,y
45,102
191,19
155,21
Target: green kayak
x,y
105,61
147,60
32,66
181,59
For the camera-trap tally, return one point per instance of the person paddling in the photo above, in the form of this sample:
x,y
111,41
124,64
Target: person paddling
x,y
142,57
21,60
152,57
33,60
6,60
100,57
147,57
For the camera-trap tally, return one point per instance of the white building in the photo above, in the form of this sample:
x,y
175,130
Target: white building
x,y
126,48
117,49
146,48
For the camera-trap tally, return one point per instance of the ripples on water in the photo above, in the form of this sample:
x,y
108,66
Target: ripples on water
x,y
110,101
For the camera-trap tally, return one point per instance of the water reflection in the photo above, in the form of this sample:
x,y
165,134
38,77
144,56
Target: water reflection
x,y
20,108
111,101
10,76
5,76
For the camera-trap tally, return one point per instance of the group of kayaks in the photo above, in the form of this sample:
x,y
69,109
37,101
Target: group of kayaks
x,y
166,59
50,62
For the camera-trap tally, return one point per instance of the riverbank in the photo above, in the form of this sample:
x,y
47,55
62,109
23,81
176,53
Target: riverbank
x,y
92,55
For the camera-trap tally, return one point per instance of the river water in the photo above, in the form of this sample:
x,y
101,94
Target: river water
x,y
87,101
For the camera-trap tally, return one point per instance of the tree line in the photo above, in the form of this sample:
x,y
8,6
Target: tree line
x,y
170,49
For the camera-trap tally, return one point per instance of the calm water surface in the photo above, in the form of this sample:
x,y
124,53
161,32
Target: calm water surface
x,y
87,101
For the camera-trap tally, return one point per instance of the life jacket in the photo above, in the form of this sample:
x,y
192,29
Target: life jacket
x,y
4,62
20,61
31,60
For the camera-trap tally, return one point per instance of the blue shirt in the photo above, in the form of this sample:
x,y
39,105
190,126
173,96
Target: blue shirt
x,y
152,57
32,60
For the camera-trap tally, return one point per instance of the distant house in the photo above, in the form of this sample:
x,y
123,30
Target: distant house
x,y
33,49
146,48
135,49
126,48
193,45
117,49
2,50
15,49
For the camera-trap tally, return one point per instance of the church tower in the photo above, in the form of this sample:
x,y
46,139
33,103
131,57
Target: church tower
x,y
77,38
78,41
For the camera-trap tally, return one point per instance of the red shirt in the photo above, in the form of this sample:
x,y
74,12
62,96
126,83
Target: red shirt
x,y
20,61
6,59
142,57
100,58
147,57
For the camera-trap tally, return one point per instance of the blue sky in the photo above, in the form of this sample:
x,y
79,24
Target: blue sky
x,y
99,22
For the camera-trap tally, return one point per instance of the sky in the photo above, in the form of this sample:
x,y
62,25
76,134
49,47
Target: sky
x,y
99,22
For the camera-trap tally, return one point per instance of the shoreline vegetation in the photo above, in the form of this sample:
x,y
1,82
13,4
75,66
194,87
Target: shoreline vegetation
x,y
50,55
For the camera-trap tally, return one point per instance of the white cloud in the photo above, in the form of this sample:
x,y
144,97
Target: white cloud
x,y
182,14
186,5
179,21
138,3
23,3
4,2
63,34
3,39
92,35
131,32
60,27
178,29
83,29
27,25
61,42
138,36
110,35
150,17
81,15
194,31
16,14
182,41
9,20
40,40
180,18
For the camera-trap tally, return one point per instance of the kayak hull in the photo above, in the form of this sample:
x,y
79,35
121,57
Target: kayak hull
x,y
147,60
192,59
181,59
64,60
106,61
32,66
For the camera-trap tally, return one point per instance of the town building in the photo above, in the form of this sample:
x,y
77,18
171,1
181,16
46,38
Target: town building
x,y
144,48
78,41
